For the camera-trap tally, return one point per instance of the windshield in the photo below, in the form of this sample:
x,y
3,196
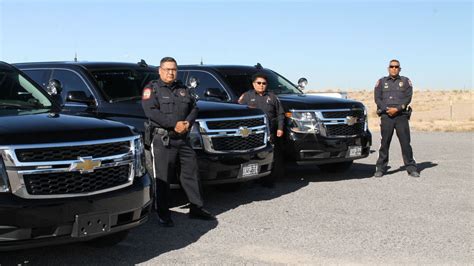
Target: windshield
x,y
18,93
241,81
123,84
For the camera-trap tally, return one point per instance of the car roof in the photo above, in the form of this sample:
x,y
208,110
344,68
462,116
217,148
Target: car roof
x,y
84,64
224,67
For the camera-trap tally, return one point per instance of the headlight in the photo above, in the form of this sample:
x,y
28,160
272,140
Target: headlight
x,y
304,122
4,185
366,118
139,157
195,137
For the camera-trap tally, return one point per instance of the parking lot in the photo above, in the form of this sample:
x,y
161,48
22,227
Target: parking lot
x,y
315,218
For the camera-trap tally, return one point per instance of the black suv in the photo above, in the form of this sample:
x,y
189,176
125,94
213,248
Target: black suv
x,y
320,130
65,178
231,141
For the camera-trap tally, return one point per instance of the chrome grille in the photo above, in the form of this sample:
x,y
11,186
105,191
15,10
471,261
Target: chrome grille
x,y
238,143
342,114
226,124
75,169
234,134
72,153
75,182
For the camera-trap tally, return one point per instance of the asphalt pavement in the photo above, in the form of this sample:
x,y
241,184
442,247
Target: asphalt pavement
x,y
312,217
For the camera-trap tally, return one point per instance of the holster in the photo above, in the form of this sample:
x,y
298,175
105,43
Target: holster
x,y
164,136
149,128
407,112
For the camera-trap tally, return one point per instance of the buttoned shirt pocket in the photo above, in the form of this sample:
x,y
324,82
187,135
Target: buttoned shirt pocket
x,y
166,105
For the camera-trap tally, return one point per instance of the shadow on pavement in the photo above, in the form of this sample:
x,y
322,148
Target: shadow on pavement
x,y
150,240
421,166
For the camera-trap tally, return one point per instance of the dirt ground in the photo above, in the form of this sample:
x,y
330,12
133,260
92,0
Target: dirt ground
x,y
447,111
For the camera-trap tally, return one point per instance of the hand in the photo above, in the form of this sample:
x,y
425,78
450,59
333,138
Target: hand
x,y
180,127
186,124
392,111
279,133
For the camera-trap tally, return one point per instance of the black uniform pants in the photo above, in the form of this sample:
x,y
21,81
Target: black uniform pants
x,y
165,161
278,167
400,124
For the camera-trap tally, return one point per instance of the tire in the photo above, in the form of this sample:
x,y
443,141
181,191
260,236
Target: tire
x,y
109,240
336,167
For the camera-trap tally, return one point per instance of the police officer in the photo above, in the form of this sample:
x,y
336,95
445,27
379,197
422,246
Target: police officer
x,y
393,95
260,98
172,111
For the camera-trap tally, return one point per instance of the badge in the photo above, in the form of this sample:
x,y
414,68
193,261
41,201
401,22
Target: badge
x,y
268,99
146,94
386,85
400,84
182,93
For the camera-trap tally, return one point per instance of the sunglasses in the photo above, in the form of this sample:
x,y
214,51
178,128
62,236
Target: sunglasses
x,y
394,66
261,83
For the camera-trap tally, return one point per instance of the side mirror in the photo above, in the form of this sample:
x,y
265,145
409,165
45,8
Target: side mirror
x,y
215,93
302,82
193,82
54,87
79,97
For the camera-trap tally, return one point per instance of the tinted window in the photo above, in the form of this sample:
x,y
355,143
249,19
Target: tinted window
x,y
18,93
124,84
241,81
40,76
70,81
206,81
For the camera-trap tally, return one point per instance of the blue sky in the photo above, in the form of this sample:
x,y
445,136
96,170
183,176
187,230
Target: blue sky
x,y
335,44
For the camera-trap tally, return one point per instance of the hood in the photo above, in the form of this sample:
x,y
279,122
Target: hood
x,y
55,128
312,102
217,110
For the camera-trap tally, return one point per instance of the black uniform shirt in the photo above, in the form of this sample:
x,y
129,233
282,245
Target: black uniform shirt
x,y
268,103
393,92
166,104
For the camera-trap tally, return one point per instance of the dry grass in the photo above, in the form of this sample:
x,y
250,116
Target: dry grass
x,y
448,111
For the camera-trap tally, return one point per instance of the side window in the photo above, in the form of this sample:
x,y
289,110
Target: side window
x,y
181,76
208,88
70,81
40,76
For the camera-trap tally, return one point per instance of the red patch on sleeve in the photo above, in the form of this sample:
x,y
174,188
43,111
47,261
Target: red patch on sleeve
x,y
146,94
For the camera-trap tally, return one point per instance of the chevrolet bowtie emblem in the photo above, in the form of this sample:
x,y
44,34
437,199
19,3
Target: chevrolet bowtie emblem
x,y
351,120
244,131
86,165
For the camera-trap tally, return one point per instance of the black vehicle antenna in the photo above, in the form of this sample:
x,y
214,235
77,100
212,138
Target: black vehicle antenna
x,y
75,56
201,61
258,66
142,63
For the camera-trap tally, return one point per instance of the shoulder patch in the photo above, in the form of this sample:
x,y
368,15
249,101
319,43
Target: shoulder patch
x,y
146,93
241,98
377,84
409,82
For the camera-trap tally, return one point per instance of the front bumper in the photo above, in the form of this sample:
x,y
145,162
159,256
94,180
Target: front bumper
x,y
315,149
227,168
27,223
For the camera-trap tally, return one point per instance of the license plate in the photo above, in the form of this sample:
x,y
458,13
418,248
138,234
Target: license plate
x,y
355,151
250,170
90,224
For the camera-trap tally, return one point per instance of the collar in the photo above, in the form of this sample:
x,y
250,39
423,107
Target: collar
x,y
264,93
161,83
394,78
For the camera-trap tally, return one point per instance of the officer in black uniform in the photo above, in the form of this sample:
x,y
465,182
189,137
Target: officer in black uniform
x,y
260,98
393,95
172,111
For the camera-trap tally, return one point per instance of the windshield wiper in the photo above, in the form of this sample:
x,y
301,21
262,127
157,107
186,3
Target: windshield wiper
x,y
136,97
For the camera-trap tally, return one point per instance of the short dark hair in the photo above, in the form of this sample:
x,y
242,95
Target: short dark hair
x,y
167,59
259,75
394,60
